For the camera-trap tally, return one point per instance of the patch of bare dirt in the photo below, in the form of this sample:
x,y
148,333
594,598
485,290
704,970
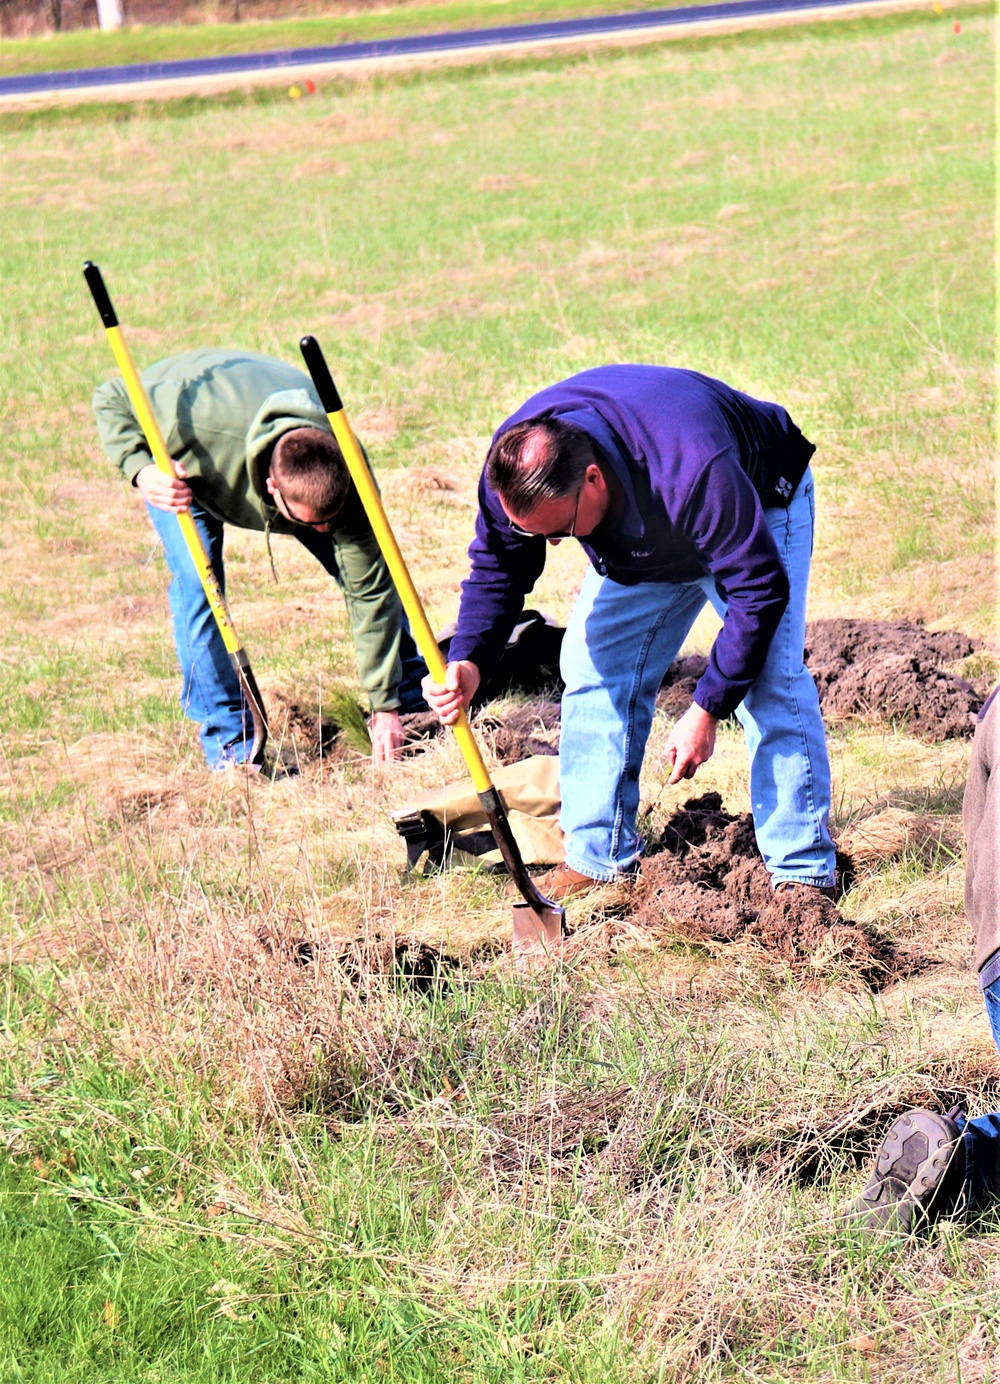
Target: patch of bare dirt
x,y
880,670
705,882
521,731
313,735
891,671
674,696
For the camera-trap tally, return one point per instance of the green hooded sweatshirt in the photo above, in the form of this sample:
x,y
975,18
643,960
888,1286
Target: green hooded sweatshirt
x,y
221,413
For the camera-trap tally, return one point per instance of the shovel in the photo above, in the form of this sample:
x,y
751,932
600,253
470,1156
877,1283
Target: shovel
x,y
538,922
160,455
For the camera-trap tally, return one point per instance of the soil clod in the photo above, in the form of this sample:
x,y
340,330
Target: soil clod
x,y
705,881
521,731
893,671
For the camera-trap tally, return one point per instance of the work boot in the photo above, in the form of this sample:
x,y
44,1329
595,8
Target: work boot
x,y
564,883
919,1174
791,887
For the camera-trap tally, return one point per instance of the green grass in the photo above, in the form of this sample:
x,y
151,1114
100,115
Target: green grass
x,y
165,1235
162,43
627,1171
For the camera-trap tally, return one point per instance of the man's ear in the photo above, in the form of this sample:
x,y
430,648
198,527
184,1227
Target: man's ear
x,y
272,489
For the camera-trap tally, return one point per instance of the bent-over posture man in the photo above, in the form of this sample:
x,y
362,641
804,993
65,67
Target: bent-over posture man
x,y
928,1164
254,449
681,490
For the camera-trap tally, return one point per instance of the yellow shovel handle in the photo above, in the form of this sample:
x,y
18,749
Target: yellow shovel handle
x,y
164,462
158,451
365,485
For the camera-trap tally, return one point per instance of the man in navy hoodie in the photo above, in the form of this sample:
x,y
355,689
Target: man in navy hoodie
x,y
681,490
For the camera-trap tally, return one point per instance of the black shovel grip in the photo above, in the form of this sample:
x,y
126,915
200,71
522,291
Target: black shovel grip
x,y
329,396
100,295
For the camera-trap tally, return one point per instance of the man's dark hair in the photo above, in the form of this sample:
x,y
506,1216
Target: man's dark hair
x,y
537,460
308,467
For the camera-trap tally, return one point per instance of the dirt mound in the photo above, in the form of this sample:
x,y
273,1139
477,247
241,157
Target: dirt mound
x,y
674,696
302,730
882,670
893,671
705,881
521,731
835,643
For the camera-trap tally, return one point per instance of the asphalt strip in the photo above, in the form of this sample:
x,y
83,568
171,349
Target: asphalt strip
x,y
206,76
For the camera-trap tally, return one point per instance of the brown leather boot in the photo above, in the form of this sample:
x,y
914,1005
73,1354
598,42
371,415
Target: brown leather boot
x,y
564,883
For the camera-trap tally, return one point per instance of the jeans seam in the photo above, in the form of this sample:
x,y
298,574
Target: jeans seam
x,y
817,839
640,668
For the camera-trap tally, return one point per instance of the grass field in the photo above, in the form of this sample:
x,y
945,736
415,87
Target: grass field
x,y
224,1166
159,43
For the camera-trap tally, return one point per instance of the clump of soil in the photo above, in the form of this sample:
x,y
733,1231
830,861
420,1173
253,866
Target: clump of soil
x,y
521,731
674,696
893,671
706,881
313,736
882,670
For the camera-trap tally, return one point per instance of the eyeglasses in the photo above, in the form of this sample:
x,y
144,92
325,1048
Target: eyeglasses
x,y
552,537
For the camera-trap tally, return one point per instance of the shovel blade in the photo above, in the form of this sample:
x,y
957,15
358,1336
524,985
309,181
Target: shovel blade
x,y
538,930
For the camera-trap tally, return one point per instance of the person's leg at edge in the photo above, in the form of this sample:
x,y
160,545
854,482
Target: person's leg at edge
x,y
790,787
929,1165
619,643
210,689
981,1136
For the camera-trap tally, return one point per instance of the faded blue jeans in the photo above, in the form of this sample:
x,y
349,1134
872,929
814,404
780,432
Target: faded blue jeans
x,y
619,644
981,1136
210,690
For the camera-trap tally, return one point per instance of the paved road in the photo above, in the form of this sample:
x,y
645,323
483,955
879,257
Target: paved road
x,y
318,60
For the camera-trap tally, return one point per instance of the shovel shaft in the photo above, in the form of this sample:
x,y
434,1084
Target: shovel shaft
x,y
549,915
365,485
162,459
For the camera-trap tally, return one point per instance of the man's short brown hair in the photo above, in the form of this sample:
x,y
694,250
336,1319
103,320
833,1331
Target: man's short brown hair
x,y
308,468
537,460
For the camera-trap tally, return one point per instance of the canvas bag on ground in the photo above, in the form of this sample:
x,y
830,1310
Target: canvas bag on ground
x,y
448,827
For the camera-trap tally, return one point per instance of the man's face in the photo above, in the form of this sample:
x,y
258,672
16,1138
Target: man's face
x,y
298,513
572,516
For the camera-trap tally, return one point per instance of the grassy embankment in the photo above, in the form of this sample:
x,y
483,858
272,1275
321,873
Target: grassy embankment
x,y
223,1166
160,43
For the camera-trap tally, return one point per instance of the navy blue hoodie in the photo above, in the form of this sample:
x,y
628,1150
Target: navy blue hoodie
x,y
697,462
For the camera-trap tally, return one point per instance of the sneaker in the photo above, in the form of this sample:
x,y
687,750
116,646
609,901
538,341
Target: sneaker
x,y
795,886
919,1174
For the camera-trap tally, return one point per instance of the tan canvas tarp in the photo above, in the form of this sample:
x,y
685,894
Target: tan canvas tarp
x,y
530,790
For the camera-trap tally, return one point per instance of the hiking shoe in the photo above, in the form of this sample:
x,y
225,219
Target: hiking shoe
x,y
919,1174
791,887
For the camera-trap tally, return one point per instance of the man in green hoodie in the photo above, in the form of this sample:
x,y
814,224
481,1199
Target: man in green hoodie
x,y
252,447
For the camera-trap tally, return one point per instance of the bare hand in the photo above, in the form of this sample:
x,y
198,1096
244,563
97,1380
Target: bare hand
x,y
163,491
461,683
691,742
388,736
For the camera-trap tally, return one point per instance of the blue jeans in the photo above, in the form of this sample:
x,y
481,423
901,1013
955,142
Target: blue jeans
x,y
982,1135
618,646
210,689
